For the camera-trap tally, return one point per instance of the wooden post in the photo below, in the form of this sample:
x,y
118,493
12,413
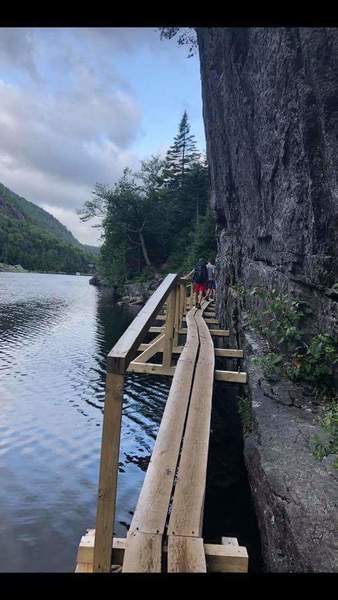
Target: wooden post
x,y
182,301
177,324
110,449
169,330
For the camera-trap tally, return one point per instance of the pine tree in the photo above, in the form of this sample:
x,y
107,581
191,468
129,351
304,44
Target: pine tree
x,y
181,156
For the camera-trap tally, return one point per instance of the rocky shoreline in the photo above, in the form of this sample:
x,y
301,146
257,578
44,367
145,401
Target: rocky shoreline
x,y
4,268
134,294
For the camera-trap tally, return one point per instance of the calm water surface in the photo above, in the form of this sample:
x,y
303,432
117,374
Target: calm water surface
x,y
55,333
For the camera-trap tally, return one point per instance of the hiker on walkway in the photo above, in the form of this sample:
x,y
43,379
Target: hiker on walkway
x,y
211,285
200,279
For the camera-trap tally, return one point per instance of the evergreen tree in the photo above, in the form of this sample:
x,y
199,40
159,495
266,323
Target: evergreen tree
x,y
181,156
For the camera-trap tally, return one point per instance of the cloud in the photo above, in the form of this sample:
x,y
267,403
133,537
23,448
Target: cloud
x,y
17,49
69,117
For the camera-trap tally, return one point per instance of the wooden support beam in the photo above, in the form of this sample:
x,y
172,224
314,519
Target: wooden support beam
x,y
231,376
86,549
169,330
153,348
110,449
176,349
229,352
226,558
212,321
215,332
126,347
156,329
144,367
217,560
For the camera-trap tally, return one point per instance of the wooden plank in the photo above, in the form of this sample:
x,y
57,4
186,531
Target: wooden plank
x,y
156,329
230,540
86,550
143,553
169,330
152,348
215,559
84,568
138,367
158,482
222,332
125,348
186,555
232,376
215,332
227,558
177,349
187,506
110,448
229,352
209,320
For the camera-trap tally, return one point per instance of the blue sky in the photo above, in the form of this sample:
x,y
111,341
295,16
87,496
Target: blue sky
x,y
77,105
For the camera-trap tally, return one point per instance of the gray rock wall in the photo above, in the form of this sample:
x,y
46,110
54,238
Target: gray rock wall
x,y
270,106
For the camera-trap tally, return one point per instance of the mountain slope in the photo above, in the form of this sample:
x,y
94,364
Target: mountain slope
x,y
33,238
36,215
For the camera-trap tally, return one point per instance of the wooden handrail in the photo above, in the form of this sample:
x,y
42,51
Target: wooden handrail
x,y
126,347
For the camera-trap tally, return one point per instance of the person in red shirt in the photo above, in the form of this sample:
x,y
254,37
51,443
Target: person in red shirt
x,y
200,280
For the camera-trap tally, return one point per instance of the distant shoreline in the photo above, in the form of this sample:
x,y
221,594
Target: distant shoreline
x,y
4,268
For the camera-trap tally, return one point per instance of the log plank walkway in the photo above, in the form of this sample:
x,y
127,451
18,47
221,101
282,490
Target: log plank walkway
x,y
165,534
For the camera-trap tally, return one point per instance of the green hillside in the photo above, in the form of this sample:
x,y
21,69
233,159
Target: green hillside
x,y
33,238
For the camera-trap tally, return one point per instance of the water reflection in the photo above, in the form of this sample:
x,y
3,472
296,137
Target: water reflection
x,y
55,333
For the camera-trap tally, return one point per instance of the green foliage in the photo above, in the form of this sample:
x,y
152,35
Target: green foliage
x,y
271,364
245,413
329,423
317,362
20,209
279,321
155,219
33,238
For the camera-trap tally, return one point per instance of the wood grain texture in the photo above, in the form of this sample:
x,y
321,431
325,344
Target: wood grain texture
x,y
186,555
110,448
226,558
143,553
158,482
187,507
232,376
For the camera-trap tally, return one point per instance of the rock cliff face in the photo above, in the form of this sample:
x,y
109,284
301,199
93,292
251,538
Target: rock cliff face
x,y
270,105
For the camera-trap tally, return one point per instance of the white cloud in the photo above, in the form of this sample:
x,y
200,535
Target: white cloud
x,y
68,119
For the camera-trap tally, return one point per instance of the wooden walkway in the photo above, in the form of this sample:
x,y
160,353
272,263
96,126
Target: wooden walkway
x,y
165,534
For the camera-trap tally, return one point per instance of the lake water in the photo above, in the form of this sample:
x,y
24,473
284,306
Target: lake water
x,y
55,334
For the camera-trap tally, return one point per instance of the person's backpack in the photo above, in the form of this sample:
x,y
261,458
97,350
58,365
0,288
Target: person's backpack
x,y
200,274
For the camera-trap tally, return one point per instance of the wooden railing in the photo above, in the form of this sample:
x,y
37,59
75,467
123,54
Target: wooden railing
x,y
173,291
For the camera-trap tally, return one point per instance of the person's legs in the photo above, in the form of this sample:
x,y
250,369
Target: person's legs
x,y
195,295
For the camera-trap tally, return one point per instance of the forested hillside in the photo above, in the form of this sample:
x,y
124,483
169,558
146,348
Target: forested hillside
x,y
33,238
158,218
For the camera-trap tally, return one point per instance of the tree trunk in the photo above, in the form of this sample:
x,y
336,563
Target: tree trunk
x,y
144,251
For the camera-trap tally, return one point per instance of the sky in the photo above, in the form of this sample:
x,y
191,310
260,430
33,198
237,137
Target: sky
x,y
78,105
